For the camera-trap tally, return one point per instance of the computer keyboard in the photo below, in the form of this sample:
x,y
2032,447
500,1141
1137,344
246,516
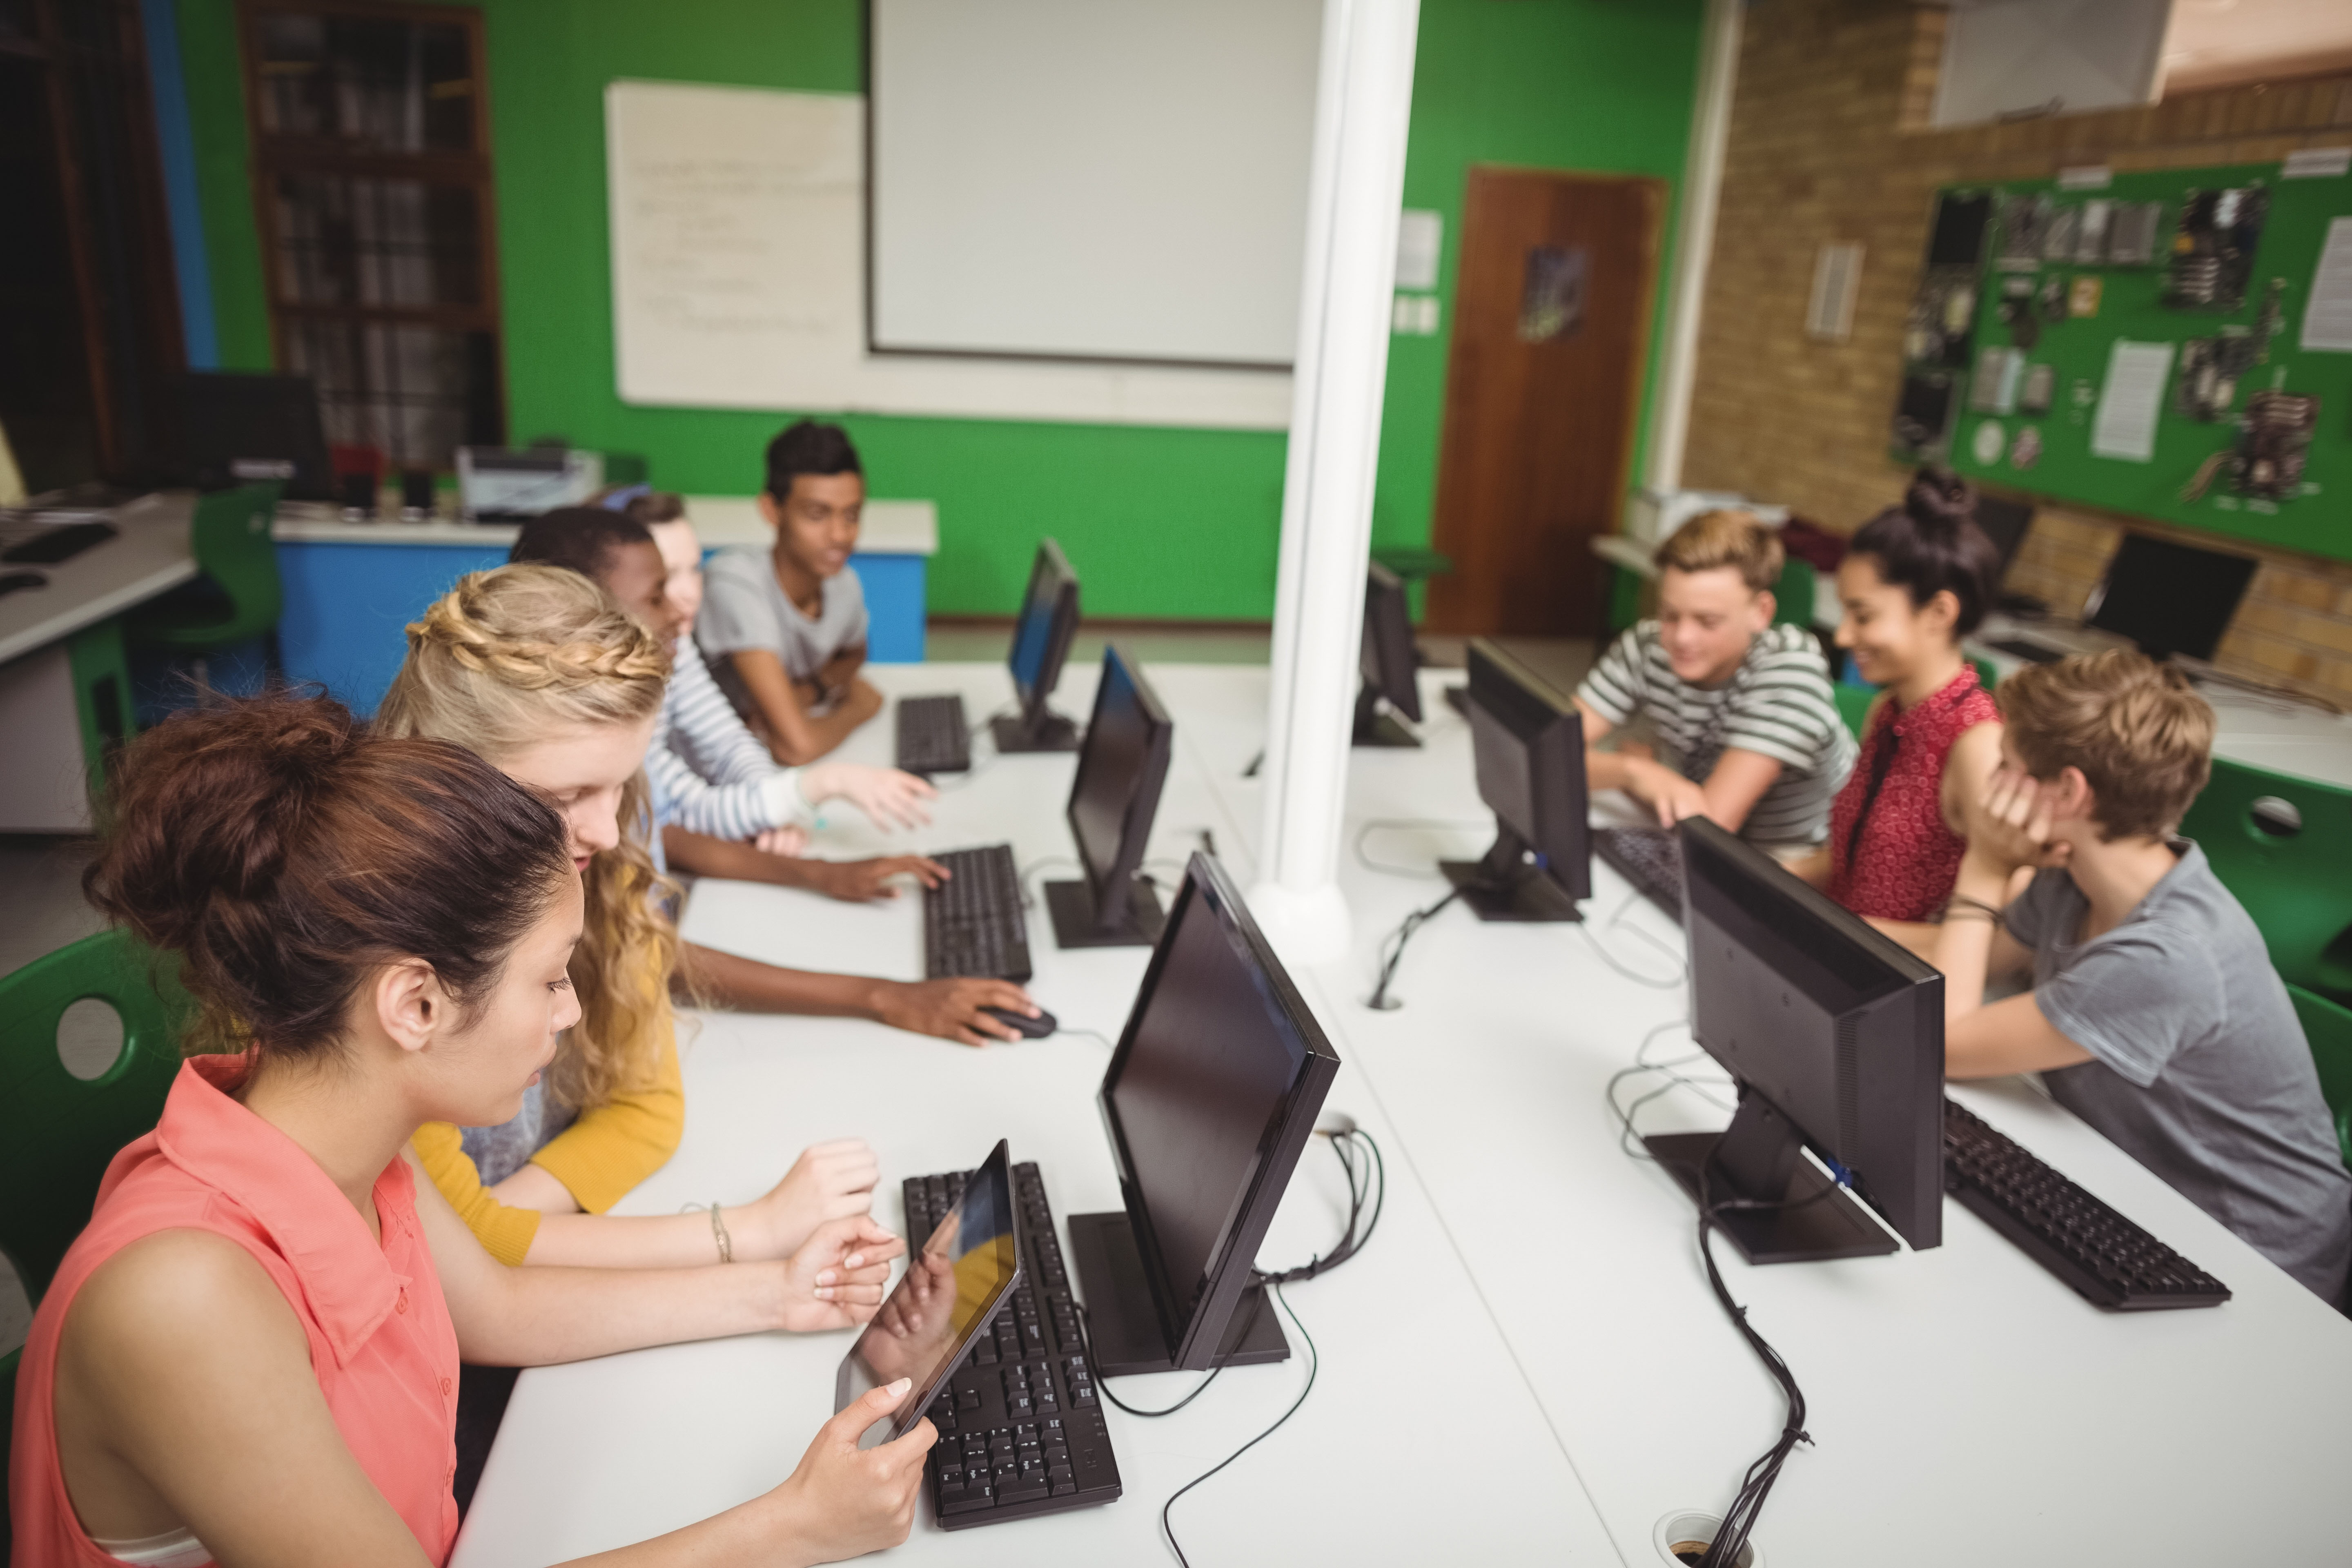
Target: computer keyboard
x,y
972,923
62,542
2107,1258
2031,652
1650,859
1021,1425
932,736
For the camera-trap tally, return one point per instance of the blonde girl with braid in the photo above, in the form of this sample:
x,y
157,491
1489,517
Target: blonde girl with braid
x,y
542,674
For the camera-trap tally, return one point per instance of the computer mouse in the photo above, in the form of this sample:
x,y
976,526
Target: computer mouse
x,y
1036,1029
12,581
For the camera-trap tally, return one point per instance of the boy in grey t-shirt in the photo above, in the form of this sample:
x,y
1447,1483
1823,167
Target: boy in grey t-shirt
x,y
2155,1015
784,630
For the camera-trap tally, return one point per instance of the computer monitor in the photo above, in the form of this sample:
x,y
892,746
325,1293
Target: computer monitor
x,y
1112,802
1836,1036
1211,1093
1390,663
2004,522
1527,743
1041,641
2169,598
237,428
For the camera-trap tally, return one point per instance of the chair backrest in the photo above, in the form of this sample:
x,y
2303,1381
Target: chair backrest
x,y
57,1131
230,533
2328,1025
2283,847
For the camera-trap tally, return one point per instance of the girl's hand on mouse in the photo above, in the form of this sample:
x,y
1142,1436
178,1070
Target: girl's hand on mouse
x,y
950,1009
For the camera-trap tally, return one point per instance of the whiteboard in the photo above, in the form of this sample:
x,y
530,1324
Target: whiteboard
x,y
738,247
1122,179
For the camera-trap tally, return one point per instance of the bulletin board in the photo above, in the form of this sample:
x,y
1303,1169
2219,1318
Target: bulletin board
x,y
2174,345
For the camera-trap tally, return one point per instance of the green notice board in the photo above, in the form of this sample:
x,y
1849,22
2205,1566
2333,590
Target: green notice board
x,y
2054,411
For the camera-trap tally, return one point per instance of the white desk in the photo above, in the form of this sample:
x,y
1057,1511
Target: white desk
x,y
1417,1397
1968,1408
151,554
47,667
1964,1401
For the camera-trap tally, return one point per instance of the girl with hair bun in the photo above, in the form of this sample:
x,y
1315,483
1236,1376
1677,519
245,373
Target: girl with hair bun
x,y
251,1352
544,673
1916,579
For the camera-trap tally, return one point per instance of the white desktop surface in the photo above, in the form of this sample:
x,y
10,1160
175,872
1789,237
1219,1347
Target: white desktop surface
x,y
151,555
1966,1406
1530,1341
1417,1397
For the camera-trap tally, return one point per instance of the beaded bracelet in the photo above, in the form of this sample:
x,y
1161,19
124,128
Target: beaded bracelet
x,y
719,1234
1962,901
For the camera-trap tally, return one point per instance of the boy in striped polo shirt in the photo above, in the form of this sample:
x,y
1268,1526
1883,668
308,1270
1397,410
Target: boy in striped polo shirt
x,y
1749,735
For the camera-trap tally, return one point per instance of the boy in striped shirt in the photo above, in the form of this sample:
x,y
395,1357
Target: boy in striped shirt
x,y
1748,733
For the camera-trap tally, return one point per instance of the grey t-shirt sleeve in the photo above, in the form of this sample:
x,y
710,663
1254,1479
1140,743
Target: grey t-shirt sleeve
x,y
2136,997
738,611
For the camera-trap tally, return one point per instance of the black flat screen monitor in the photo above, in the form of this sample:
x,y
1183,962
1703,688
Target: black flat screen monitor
x,y
1041,642
1526,745
1389,663
238,429
2171,598
952,1287
1113,800
1836,1034
1210,1096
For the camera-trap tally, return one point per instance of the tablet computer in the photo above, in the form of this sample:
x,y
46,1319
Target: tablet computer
x,y
954,1283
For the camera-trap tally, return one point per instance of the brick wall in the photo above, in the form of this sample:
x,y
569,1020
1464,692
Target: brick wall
x,y
1828,143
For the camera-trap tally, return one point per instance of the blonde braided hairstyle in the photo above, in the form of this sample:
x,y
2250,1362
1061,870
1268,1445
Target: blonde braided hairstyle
x,y
500,662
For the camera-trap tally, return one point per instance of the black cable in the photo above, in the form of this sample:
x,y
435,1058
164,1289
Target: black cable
x,y
1756,1485
1086,1347
1314,1365
1394,944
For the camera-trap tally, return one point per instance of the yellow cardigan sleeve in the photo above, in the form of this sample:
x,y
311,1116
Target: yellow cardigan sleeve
x,y
506,1234
612,1148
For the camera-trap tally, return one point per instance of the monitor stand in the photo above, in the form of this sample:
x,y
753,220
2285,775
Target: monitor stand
x,y
1122,1323
1759,1157
1503,886
1375,728
1043,731
1075,923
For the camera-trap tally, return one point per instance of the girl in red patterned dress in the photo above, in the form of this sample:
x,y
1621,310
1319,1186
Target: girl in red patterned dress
x,y
1916,579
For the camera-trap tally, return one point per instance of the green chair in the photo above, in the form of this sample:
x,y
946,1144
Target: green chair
x,y
240,596
2328,1028
57,1131
2283,847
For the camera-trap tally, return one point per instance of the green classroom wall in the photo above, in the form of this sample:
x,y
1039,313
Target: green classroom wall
x,y
1165,524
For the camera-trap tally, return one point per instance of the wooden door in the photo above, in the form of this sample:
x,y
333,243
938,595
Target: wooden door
x,y
1551,333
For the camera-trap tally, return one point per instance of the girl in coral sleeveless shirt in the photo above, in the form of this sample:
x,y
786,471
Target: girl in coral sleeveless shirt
x,y
251,1353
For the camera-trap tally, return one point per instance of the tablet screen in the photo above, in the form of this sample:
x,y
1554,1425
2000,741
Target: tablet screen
x,y
951,1290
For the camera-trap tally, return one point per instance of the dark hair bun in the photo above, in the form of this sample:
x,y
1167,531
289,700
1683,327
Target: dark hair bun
x,y
1939,497
285,851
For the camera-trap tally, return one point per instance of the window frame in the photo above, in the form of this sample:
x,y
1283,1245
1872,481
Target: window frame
x,y
277,155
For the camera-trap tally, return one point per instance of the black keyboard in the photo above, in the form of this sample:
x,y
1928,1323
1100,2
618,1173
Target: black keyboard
x,y
2031,652
62,542
932,736
1649,857
1021,1427
2108,1260
972,923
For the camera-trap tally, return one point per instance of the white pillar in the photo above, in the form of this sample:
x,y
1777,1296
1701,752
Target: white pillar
x,y
1363,103
1718,71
